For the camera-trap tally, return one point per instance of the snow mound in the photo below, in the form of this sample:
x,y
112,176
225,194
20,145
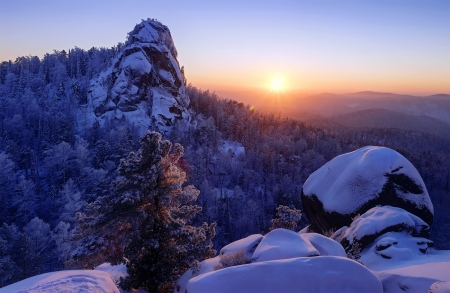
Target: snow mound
x,y
354,182
117,271
76,281
440,287
415,278
398,249
324,245
276,245
282,244
206,266
379,220
319,274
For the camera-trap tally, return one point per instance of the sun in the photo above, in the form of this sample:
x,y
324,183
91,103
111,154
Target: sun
x,y
277,84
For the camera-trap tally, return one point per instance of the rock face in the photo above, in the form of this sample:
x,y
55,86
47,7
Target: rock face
x,y
353,183
380,221
144,84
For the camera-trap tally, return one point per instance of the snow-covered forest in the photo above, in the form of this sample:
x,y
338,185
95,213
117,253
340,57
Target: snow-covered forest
x,y
244,163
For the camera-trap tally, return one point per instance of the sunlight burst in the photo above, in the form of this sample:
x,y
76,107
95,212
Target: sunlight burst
x,y
277,84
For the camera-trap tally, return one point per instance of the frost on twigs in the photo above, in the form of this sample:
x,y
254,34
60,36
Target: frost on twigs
x,y
287,218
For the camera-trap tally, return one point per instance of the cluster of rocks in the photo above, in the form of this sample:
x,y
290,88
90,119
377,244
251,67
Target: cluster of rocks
x,y
375,208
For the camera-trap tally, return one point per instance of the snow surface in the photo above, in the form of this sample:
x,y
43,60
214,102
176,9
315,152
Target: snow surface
x,y
440,287
319,274
206,266
403,252
377,219
349,180
116,271
248,244
415,278
276,245
324,245
76,281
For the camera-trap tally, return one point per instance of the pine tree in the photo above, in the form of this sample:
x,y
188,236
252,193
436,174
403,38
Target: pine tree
x,y
145,220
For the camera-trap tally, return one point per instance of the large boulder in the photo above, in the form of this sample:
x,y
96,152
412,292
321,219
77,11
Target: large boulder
x,y
352,183
144,83
278,244
304,274
377,221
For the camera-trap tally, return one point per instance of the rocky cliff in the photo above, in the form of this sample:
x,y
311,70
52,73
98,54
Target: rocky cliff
x,y
144,83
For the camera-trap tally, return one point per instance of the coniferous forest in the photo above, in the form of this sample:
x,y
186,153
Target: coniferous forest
x,y
244,163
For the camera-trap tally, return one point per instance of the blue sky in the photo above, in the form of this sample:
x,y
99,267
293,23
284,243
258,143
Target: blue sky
x,y
316,46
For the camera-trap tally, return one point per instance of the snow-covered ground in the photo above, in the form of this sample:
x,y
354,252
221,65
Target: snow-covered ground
x,y
285,261
303,274
76,281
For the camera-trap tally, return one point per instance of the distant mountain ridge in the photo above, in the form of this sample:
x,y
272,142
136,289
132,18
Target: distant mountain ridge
x,y
382,118
435,106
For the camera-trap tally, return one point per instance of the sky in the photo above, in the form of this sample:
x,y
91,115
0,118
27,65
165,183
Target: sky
x,y
400,46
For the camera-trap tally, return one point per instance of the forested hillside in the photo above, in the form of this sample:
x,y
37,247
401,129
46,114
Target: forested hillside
x,y
243,162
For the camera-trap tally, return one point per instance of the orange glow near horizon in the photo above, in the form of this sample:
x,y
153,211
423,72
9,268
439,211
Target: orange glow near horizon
x,y
312,83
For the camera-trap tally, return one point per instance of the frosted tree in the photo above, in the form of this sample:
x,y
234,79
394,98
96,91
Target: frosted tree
x,y
70,202
7,185
62,235
40,237
287,218
144,220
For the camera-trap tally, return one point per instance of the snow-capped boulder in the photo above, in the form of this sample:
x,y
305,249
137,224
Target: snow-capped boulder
x,y
282,244
76,281
303,274
397,249
440,287
380,220
276,245
352,183
324,245
206,266
247,244
116,271
144,84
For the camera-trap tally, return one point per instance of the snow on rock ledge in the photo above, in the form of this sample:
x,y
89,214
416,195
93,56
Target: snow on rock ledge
x,y
76,281
283,244
352,183
440,287
277,245
380,220
144,84
319,274
414,278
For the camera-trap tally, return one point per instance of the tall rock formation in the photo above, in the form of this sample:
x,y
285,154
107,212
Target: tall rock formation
x,y
144,83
